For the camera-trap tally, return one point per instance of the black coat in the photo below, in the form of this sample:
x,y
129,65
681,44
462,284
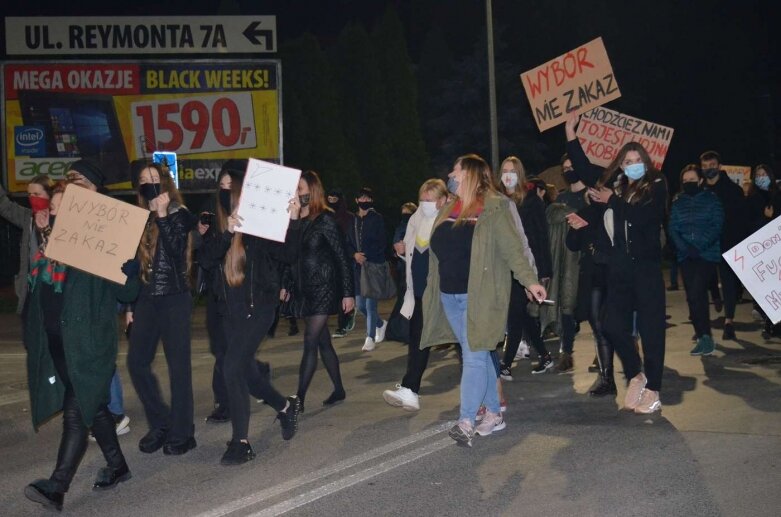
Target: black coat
x,y
594,245
756,203
262,270
535,224
736,215
323,272
169,265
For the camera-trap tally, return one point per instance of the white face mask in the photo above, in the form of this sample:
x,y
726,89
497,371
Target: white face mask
x,y
429,208
510,179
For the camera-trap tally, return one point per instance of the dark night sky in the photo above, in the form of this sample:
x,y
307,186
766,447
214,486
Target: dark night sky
x,y
710,69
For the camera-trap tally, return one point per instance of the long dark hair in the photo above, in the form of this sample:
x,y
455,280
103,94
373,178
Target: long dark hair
x,y
639,191
773,190
317,201
235,258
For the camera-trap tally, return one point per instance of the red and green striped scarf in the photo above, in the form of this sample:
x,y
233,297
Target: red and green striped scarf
x,y
49,271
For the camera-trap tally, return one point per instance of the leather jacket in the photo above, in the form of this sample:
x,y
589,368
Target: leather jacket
x,y
168,272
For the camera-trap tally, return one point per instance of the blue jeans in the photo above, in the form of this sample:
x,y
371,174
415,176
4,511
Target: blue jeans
x,y
115,402
368,307
478,376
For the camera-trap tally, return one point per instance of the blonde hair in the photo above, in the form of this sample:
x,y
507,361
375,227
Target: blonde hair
x,y
520,190
148,247
476,183
435,186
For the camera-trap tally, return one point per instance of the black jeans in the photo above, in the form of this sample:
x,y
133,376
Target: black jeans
x,y
167,318
242,375
696,276
637,286
217,346
520,322
417,359
73,442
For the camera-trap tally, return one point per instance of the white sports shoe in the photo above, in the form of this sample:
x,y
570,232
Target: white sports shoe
x,y
491,422
368,345
379,334
523,350
402,397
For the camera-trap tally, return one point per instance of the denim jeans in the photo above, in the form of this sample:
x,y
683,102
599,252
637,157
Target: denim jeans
x,y
478,376
368,307
115,402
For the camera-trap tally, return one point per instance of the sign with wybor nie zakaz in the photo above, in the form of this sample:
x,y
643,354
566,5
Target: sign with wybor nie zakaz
x,y
118,113
84,35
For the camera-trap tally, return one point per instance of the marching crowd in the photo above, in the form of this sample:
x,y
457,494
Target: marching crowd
x,y
488,261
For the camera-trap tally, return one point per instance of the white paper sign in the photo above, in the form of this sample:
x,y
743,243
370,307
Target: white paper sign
x,y
757,262
265,196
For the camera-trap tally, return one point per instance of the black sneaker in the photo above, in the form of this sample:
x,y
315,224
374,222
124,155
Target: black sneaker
x,y
220,415
153,440
729,332
506,373
718,305
288,419
180,447
238,452
545,364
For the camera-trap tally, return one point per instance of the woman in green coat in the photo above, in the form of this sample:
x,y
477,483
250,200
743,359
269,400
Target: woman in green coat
x,y
71,333
475,250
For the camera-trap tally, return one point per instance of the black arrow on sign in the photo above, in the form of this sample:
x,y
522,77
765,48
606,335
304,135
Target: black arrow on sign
x,y
254,35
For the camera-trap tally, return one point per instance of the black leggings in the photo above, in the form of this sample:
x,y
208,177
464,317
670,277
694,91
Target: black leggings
x,y
317,337
417,359
595,318
519,321
73,442
217,346
242,374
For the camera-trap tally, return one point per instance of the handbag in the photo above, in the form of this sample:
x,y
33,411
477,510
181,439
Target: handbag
x,y
376,281
293,307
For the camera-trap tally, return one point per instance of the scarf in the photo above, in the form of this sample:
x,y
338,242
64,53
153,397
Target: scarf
x,y
49,271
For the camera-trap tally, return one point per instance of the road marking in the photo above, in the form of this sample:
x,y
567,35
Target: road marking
x,y
313,477
354,479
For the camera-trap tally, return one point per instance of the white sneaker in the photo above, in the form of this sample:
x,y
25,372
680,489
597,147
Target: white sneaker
x,y
523,350
368,345
755,315
491,422
402,397
379,334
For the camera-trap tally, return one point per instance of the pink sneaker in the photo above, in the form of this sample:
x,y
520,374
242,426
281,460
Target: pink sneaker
x,y
503,406
649,403
634,391
491,422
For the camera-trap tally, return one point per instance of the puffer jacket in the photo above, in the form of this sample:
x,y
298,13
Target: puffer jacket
x,y
697,221
323,272
168,274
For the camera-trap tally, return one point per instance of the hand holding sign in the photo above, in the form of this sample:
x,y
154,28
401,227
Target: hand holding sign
x,y
264,207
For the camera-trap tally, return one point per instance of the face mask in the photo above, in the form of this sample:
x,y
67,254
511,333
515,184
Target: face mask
x,y
570,176
711,173
635,171
762,182
149,191
429,208
38,203
365,205
334,205
304,199
691,188
452,185
225,199
510,179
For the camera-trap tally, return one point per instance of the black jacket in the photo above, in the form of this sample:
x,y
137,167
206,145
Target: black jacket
x,y
756,203
735,211
262,271
594,245
637,227
323,272
535,224
168,273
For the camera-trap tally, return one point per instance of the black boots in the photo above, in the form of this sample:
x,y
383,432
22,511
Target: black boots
x,y
46,493
605,385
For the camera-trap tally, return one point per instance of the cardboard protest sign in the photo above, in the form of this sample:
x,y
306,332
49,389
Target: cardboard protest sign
x,y
265,196
602,132
757,262
96,233
740,174
575,82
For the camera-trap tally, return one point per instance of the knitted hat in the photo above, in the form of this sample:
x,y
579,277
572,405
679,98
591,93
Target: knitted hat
x,y
90,171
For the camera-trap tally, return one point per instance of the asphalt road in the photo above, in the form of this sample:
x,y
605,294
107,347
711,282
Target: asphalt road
x,y
714,450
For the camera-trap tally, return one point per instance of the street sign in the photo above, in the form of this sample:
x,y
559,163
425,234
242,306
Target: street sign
x,y
123,35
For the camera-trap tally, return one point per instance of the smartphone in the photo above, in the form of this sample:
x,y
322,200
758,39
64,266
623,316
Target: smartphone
x,y
575,218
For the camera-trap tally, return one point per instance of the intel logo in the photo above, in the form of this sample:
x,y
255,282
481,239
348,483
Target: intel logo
x,y
29,137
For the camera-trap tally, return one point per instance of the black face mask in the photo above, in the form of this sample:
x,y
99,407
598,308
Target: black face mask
x,y
304,199
334,205
711,173
225,200
365,205
149,191
691,188
571,176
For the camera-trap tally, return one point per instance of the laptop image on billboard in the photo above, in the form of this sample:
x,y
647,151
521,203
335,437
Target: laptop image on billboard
x,y
79,126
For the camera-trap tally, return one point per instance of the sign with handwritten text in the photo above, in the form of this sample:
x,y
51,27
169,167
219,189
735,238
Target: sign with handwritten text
x,y
740,174
602,133
757,262
265,196
96,233
571,83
